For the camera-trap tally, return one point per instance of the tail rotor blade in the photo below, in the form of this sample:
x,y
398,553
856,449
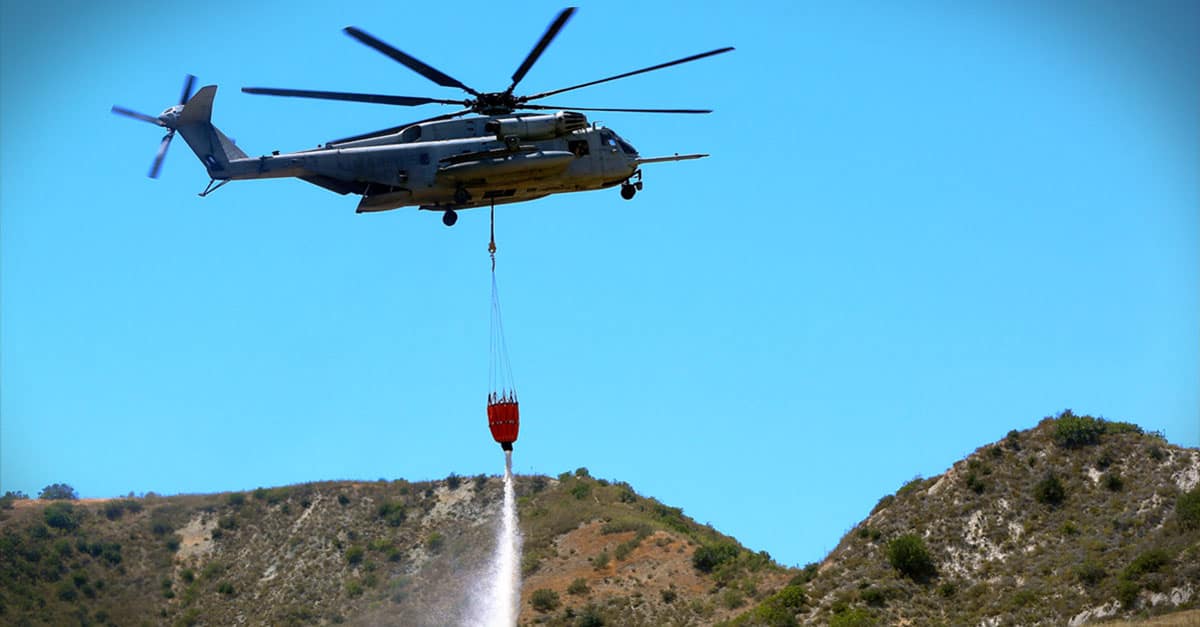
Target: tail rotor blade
x,y
188,84
135,115
162,154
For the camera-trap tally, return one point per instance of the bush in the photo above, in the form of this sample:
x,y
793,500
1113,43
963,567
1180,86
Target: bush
x,y
6,501
1149,562
391,513
856,617
908,555
1187,509
1090,573
874,597
581,490
1071,431
343,500
58,492
225,588
236,499
600,561
1050,491
582,472
709,557
975,484
453,481
578,586
668,595
354,555
1113,481
62,516
590,617
544,600
435,542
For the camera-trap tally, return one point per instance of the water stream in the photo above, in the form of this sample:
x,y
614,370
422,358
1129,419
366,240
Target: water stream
x,y
500,601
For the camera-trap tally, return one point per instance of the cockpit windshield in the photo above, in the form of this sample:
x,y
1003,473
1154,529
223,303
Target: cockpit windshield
x,y
610,138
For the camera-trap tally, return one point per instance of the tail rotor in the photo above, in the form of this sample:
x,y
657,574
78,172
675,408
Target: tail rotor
x,y
167,119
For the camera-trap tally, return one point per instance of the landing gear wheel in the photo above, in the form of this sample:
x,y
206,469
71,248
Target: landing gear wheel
x,y
449,217
628,191
461,196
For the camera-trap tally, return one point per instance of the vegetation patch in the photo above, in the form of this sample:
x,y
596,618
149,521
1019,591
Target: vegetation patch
x,y
909,555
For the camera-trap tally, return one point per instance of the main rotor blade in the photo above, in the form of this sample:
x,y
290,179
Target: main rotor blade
x,y
396,129
162,154
529,106
135,115
660,66
406,101
411,62
188,84
537,51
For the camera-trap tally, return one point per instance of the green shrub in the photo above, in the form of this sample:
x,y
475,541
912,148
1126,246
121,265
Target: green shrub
x,y
1187,509
908,555
237,499
1127,593
1071,431
1090,573
732,599
1050,491
1149,562
590,617
63,516
226,588
974,483
6,501
343,499
58,492
600,561
1156,453
173,542
580,490
1117,427
578,586
354,589
391,513
582,472
544,600
911,485
354,555
453,481
883,502
668,595
709,557
856,617
875,597
435,542
1113,481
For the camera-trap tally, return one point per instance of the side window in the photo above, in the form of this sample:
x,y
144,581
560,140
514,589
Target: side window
x,y
578,147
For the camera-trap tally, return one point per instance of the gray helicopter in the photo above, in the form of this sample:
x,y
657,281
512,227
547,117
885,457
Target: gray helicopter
x,y
443,163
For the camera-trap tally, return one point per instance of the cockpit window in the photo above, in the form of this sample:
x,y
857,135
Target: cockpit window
x,y
626,147
410,134
611,139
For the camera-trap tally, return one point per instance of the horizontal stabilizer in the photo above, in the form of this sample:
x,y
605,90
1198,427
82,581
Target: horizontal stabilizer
x,y
676,157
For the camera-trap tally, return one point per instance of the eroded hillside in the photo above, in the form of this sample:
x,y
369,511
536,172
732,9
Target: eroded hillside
x,y
1074,521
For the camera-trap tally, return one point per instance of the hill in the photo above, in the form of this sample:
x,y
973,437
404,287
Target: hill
x,y
1077,520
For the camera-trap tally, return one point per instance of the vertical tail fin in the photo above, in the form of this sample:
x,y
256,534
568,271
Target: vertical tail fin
x,y
213,148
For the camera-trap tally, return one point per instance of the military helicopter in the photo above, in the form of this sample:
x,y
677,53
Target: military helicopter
x,y
444,163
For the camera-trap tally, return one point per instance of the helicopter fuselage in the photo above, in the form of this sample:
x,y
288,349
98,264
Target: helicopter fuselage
x,y
459,164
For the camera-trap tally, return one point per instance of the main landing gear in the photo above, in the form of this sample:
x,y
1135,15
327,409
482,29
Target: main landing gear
x,y
631,187
449,217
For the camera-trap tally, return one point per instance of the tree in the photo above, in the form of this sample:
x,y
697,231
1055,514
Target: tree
x,y
58,491
908,555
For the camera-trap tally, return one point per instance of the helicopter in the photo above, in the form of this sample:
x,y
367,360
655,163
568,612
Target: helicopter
x,y
512,151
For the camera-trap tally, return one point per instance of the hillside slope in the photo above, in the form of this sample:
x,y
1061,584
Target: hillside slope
x,y
379,553
1074,521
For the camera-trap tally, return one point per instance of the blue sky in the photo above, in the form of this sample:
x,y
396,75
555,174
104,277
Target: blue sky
x,y
922,225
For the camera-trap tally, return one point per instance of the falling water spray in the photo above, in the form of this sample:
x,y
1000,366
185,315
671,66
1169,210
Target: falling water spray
x,y
500,601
